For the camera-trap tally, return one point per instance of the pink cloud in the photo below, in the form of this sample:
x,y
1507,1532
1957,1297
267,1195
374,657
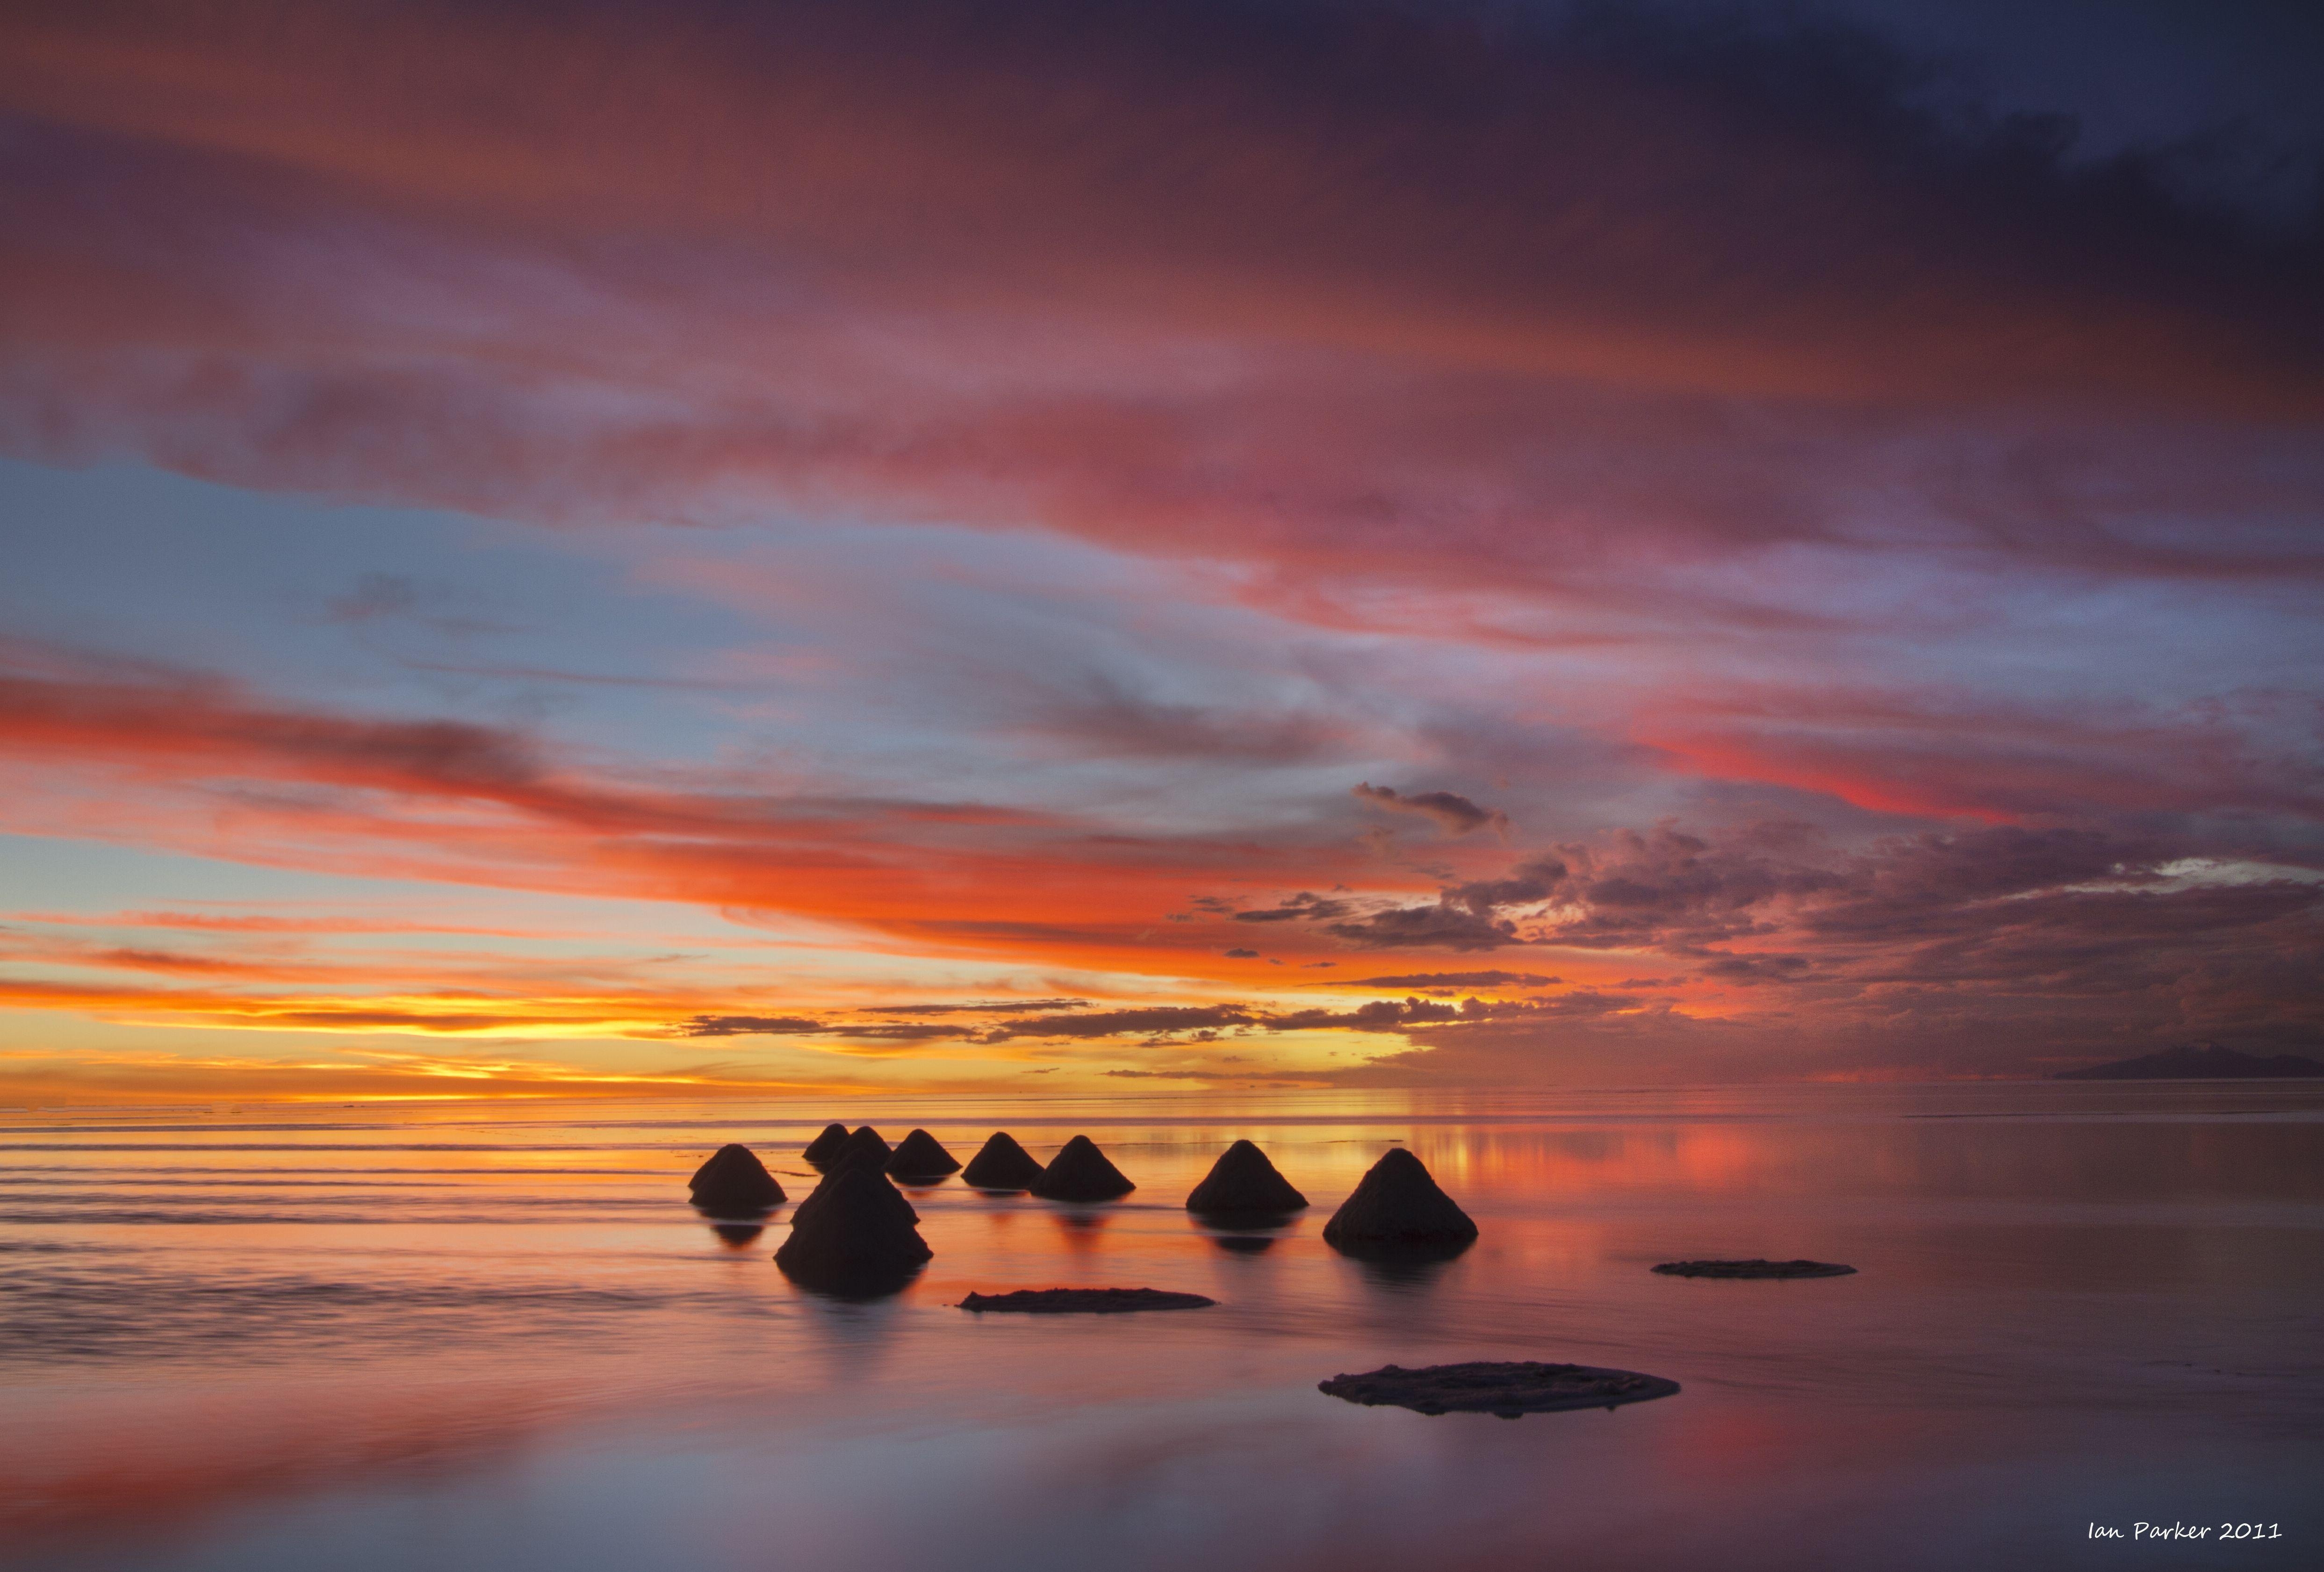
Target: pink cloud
x,y
1296,319
1705,443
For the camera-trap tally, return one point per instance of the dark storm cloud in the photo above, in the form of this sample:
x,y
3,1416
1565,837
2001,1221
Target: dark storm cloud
x,y
1451,979
1381,1015
1434,927
800,1026
2002,924
1450,812
1751,968
1530,882
749,1026
1677,891
1666,886
1996,924
1141,1021
1306,905
982,1008
1205,1022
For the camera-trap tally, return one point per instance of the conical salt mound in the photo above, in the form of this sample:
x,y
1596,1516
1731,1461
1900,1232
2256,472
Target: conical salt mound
x,y
854,1241
735,1181
863,1146
893,1201
1003,1164
826,1146
1079,1172
920,1155
1243,1181
1398,1206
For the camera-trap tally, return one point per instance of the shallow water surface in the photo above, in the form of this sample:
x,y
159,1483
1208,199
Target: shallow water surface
x,y
493,1336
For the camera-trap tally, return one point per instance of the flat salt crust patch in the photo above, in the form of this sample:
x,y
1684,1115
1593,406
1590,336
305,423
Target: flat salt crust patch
x,y
1505,1390
1754,1269
1052,1302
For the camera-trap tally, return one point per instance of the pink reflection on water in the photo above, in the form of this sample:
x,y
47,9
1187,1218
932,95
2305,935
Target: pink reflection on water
x,y
278,1346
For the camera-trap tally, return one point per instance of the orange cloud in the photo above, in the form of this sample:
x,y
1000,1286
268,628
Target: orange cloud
x,y
266,923
480,805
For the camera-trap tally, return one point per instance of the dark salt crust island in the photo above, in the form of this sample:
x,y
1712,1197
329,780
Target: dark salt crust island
x,y
826,1146
1243,1182
1001,1163
855,1238
920,1155
735,1181
1398,1209
1080,1171
1505,1390
1754,1269
1057,1302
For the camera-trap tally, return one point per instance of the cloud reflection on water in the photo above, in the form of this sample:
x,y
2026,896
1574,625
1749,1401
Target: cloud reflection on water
x,y
2040,1295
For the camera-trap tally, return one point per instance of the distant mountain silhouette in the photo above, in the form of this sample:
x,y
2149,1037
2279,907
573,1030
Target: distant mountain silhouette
x,y
2204,1061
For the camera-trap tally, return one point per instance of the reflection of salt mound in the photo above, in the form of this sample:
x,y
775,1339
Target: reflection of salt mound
x,y
1003,1164
854,1238
920,1155
1397,1207
735,1181
863,1146
826,1146
1243,1181
1080,1171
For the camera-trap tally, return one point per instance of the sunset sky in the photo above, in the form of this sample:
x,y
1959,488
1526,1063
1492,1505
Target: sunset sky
x,y
663,549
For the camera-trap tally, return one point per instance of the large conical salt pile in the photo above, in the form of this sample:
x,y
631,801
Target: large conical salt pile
x,y
849,1161
893,1201
826,1146
862,1146
735,1181
1243,1181
920,1155
1003,1164
853,1240
1080,1171
1398,1206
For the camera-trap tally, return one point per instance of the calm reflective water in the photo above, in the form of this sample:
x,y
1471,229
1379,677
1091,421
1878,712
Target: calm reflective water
x,y
494,1338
